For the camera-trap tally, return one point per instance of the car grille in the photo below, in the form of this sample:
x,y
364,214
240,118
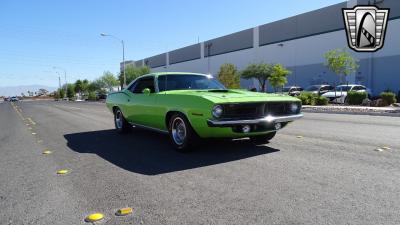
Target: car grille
x,y
256,110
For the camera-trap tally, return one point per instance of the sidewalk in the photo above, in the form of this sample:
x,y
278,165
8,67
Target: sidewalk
x,y
357,110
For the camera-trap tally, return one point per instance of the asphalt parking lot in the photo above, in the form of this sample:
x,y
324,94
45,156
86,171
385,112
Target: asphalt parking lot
x,y
323,169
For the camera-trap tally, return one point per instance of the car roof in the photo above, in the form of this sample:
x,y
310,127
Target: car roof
x,y
173,73
351,85
320,85
156,74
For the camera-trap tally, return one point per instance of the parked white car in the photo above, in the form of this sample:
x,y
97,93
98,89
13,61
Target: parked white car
x,y
339,94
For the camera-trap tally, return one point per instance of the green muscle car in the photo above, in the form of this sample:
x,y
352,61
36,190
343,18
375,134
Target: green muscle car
x,y
191,106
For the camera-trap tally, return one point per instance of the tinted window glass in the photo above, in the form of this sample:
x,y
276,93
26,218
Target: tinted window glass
x,y
312,88
326,88
343,88
361,88
186,82
139,85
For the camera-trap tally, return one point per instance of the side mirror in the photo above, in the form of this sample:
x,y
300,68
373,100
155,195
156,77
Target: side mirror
x,y
146,91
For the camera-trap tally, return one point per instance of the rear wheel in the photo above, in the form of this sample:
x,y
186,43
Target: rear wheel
x,y
181,133
262,139
121,125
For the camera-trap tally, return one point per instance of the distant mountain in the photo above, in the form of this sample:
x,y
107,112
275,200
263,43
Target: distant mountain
x,y
17,90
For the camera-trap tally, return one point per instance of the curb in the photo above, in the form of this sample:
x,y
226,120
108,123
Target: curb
x,y
390,114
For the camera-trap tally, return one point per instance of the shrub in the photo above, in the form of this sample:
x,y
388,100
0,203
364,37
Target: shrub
x,y
307,98
92,96
388,97
56,95
321,100
356,98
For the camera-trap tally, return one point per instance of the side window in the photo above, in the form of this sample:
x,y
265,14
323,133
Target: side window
x,y
139,85
326,88
356,88
132,86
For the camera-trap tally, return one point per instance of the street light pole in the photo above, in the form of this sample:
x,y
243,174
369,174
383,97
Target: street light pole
x,y
65,77
123,52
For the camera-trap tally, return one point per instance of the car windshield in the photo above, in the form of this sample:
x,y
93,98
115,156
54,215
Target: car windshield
x,y
343,88
186,82
312,88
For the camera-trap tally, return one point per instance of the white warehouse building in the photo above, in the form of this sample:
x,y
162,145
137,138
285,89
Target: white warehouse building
x,y
299,43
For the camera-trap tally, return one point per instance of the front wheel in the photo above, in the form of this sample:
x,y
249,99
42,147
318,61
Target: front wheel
x,y
181,133
121,125
262,139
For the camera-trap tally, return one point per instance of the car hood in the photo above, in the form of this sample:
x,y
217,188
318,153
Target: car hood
x,y
234,95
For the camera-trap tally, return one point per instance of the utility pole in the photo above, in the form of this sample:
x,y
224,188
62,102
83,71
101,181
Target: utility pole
x,y
65,77
123,53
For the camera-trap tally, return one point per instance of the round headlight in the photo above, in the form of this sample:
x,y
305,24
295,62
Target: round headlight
x,y
217,111
294,107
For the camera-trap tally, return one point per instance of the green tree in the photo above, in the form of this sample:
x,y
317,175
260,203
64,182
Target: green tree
x,y
85,85
341,62
229,76
96,85
133,72
278,76
109,80
78,86
61,92
261,72
70,91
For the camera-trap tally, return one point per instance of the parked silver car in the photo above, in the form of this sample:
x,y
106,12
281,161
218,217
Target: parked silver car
x,y
339,94
292,90
319,89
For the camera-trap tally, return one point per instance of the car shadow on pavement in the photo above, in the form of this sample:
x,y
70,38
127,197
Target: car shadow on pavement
x,y
150,153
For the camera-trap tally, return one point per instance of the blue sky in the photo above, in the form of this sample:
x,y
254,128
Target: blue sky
x,y
38,35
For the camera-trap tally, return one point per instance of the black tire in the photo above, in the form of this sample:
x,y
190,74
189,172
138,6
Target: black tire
x,y
121,124
181,133
262,139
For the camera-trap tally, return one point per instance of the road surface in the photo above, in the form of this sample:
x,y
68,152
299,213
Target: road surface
x,y
323,169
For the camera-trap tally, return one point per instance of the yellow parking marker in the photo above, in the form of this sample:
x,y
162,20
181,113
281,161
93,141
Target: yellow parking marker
x,y
379,150
94,217
386,148
124,211
62,172
299,136
33,133
47,152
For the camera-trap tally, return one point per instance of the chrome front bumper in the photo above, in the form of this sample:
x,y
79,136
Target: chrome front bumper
x,y
267,119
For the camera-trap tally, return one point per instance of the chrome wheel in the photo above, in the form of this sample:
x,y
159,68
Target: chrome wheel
x,y
178,131
118,119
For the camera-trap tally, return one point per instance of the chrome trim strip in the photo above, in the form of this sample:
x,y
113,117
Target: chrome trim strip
x,y
149,128
267,119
